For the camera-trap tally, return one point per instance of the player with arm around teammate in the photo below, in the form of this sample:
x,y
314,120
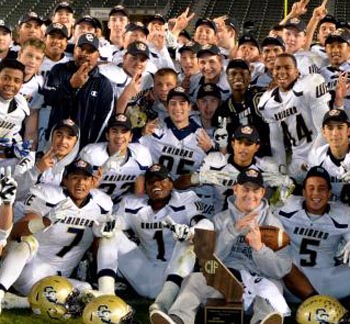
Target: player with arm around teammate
x,y
239,246
160,262
316,228
59,225
121,162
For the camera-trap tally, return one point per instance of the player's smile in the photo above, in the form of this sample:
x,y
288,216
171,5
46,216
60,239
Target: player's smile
x,y
316,194
158,189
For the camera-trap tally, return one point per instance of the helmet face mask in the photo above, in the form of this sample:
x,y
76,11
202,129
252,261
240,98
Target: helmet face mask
x,y
55,297
108,309
321,309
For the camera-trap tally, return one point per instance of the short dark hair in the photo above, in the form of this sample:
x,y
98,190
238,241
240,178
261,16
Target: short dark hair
x,y
165,71
288,55
12,64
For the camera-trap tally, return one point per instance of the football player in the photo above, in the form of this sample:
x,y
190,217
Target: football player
x,y
13,107
63,14
6,41
118,18
212,70
205,32
59,225
179,142
338,51
316,228
335,129
241,108
159,258
239,246
31,55
120,160
294,110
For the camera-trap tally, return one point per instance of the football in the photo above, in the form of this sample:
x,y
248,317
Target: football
x,y
274,237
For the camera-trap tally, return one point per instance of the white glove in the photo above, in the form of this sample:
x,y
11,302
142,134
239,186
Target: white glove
x,y
221,134
344,253
59,212
106,228
219,178
25,164
277,179
181,232
8,186
113,162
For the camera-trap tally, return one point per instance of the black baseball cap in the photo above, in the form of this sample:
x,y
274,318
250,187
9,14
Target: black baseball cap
x,y
157,171
341,35
318,171
271,40
237,63
296,23
232,22
208,49
31,15
138,48
248,39
90,39
343,24
119,120
248,132
6,26
157,17
136,26
252,176
185,34
87,19
337,115
178,91
206,21
118,10
209,89
57,28
69,124
63,5
79,165
190,46
329,19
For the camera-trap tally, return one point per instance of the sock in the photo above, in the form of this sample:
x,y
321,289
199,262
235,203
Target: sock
x,y
167,295
13,264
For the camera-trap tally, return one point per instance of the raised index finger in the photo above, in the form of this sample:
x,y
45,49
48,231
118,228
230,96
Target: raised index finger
x,y
324,3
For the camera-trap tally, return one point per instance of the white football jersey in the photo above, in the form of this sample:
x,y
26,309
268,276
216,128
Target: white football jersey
x,y
177,149
63,244
296,115
308,62
322,156
157,241
48,64
117,182
315,238
12,114
321,52
331,76
31,91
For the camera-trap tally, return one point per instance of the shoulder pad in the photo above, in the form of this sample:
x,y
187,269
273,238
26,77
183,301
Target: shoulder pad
x,y
264,98
141,154
22,104
102,199
49,193
95,154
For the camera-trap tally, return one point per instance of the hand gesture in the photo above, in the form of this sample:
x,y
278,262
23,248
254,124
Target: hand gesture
x,y
253,237
150,127
320,12
24,164
299,8
133,87
59,212
344,253
106,228
204,141
246,222
218,178
344,170
81,76
22,149
341,89
221,134
113,162
8,186
183,20
47,161
181,232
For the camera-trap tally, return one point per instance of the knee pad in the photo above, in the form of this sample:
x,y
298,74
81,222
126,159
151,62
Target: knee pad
x,y
31,242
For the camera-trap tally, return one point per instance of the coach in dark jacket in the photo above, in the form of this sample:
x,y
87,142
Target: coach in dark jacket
x,y
77,90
